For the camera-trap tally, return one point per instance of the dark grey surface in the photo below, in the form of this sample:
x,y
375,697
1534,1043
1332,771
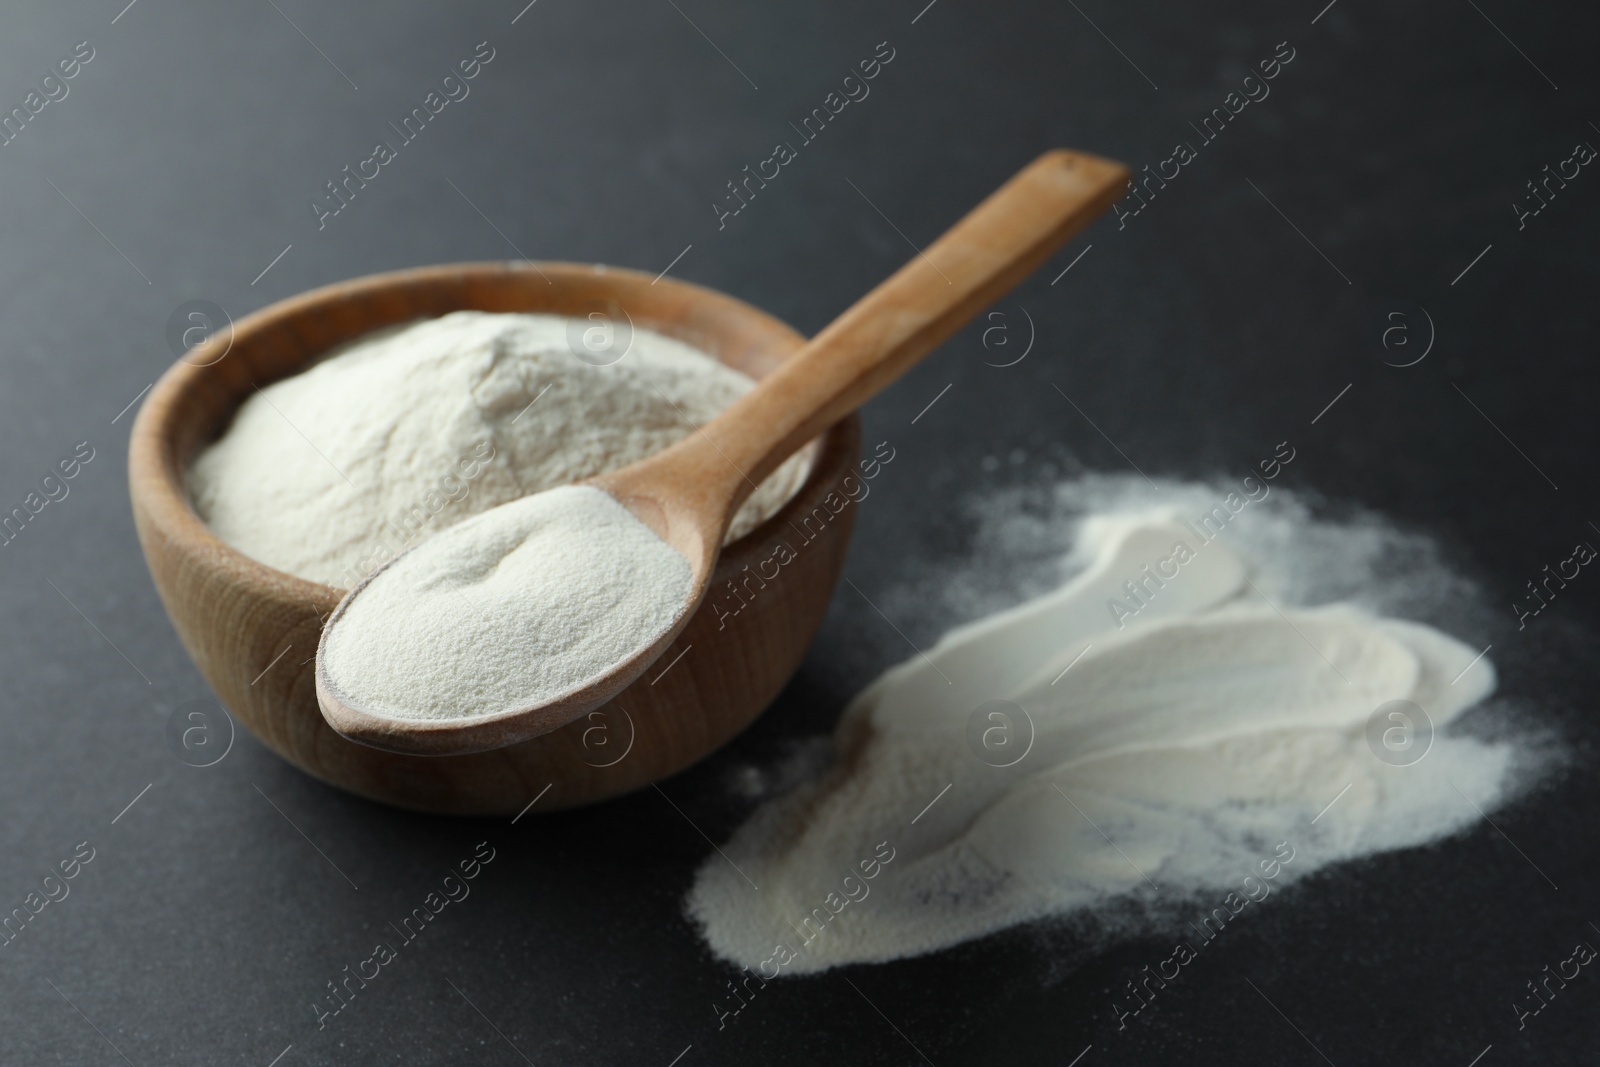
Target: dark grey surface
x,y
1197,337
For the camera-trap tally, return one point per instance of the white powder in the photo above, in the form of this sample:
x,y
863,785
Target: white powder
x,y
400,434
1164,764
509,609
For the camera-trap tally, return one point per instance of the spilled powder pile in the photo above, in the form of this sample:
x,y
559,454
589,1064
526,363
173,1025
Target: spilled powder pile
x,y
401,433
1070,756
508,609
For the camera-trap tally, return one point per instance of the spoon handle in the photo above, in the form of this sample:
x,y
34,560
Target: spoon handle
x,y
995,246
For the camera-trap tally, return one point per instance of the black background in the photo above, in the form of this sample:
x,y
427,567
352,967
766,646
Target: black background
x,y
1196,338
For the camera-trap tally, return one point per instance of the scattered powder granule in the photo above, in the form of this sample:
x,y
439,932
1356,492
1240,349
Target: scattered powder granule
x,y
1091,749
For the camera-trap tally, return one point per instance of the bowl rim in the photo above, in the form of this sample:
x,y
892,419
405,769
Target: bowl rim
x,y
158,480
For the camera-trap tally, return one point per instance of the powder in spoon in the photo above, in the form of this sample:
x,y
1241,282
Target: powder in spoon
x,y
401,433
509,609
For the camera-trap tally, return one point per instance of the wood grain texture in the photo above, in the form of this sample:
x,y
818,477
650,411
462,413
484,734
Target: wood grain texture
x,y
236,616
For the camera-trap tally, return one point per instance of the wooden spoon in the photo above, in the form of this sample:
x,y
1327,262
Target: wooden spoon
x,y
688,493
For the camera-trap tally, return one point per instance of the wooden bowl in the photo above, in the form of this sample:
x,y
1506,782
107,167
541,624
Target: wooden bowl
x,y
252,630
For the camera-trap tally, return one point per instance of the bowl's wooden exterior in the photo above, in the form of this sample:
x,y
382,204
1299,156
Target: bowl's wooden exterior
x,y
236,616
